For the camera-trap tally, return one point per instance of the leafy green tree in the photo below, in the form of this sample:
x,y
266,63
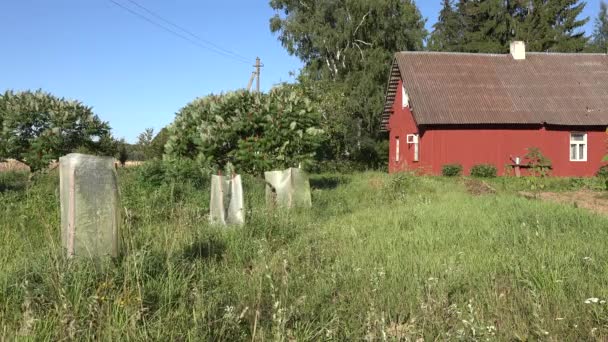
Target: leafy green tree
x,y
37,128
123,155
254,132
144,142
159,142
347,47
599,41
447,32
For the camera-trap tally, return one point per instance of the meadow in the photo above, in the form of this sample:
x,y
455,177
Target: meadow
x,y
378,257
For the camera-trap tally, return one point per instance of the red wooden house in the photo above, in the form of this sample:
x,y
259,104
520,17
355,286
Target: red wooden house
x,y
444,108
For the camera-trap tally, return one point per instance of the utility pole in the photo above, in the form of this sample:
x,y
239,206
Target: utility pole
x,y
256,74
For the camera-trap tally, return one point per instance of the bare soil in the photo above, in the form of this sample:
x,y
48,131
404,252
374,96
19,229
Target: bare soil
x,y
478,187
590,200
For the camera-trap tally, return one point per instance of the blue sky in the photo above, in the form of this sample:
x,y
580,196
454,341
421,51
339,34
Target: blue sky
x,y
132,73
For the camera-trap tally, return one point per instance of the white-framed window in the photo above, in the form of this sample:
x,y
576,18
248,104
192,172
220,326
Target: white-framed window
x,y
578,146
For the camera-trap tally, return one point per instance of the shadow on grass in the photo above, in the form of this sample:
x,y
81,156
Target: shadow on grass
x,y
210,249
13,181
327,182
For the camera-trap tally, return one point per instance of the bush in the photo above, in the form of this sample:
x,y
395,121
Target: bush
x,y
451,170
483,170
255,132
13,180
603,172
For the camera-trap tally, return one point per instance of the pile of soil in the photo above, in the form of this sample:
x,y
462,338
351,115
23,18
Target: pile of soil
x,y
478,187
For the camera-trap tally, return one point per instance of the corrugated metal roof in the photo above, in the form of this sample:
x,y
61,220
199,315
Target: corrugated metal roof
x,y
462,88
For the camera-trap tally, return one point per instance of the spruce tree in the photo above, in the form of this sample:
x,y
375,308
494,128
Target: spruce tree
x,y
600,34
447,32
486,25
552,25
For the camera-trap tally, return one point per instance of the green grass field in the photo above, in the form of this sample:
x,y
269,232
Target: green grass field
x,y
378,257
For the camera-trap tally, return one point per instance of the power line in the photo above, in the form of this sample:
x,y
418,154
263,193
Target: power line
x,y
181,28
192,41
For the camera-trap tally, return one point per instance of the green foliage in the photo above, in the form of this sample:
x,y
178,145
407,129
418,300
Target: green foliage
x,y
123,155
600,34
347,48
158,172
539,164
602,172
489,26
254,132
13,180
451,170
483,170
552,26
157,146
37,128
446,31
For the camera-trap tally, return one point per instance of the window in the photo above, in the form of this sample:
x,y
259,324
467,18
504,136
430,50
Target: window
x,y
405,98
397,149
578,146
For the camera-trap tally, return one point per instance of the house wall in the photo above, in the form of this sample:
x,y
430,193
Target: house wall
x,y
486,144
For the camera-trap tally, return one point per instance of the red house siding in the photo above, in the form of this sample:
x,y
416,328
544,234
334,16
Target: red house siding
x,y
470,145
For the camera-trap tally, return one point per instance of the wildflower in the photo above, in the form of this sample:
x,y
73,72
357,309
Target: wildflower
x,y
587,258
592,300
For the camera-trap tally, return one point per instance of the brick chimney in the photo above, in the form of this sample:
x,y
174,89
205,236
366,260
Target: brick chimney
x,y
518,50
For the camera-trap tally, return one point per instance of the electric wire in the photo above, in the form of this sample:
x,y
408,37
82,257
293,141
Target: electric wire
x,y
184,30
215,49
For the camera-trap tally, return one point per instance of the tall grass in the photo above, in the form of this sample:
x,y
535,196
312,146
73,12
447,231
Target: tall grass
x,y
378,257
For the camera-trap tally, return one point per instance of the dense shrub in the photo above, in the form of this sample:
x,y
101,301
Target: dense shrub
x,y
451,170
483,170
37,128
255,132
603,172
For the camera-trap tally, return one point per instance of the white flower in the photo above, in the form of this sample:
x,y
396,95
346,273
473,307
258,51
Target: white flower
x,y
592,300
587,258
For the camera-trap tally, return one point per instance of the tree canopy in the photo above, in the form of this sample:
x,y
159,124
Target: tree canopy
x,y
347,47
37,127
253,132
599,40
489,26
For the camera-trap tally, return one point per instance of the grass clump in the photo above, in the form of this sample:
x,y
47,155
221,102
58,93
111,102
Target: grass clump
x,y
378,256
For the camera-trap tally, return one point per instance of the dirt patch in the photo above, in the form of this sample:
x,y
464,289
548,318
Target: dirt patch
x,y
478,187
13,165
590,200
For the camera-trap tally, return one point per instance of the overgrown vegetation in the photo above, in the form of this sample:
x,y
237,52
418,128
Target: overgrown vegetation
x,y
397,257
254,132
37,128
483,170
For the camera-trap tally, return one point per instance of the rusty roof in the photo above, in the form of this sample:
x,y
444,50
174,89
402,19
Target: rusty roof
x,y
462,88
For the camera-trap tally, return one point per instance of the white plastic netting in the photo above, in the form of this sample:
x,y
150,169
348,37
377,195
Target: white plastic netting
x,y
90,205
289,189
226,205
